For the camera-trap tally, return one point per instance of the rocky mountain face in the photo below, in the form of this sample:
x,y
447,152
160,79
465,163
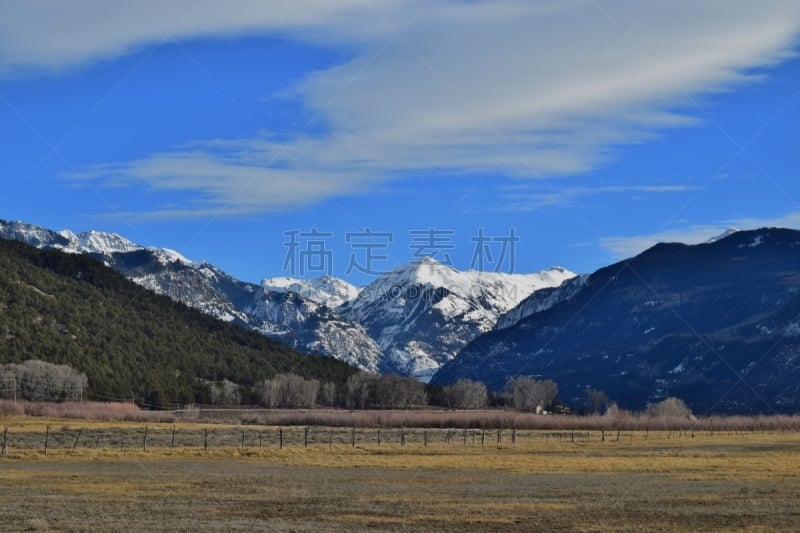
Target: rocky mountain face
x,y
422,314
409,321
299,321
717,324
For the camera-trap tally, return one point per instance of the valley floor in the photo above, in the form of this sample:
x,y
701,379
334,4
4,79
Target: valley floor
x,y
545,481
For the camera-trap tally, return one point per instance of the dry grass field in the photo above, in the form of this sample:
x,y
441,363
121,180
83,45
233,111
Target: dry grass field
x,y
543,481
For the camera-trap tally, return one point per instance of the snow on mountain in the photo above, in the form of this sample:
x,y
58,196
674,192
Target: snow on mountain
x,y
96,242
726,233
423,313
305,324
542,300
409,321
327,290
710,323
31,234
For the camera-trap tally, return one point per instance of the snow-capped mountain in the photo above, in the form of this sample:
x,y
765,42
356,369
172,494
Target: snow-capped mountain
x,y
724,234
409,321
422,314
542,300
716,324
326,290
298,321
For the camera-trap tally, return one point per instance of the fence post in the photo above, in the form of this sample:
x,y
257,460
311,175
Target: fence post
x,y
280,438
379,436
402,437
205,440
305,437
242,447
172,445
498,435
425,436
145,438
46,439
5,440
74,444
514,436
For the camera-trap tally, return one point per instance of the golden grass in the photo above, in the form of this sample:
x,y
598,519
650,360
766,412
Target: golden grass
x,y
647,481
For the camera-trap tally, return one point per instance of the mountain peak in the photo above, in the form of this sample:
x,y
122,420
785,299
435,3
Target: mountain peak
x,y
326,290
728,232
99,242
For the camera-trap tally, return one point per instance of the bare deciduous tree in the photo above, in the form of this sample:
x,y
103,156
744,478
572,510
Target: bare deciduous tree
x,y
390,391
288,390
596,400
327,394
41,381
524,392
466,394
225,392
669,408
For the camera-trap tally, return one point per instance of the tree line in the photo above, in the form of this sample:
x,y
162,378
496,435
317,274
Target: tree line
x,y
40,381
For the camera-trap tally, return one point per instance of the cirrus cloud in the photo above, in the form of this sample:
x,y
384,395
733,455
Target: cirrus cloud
x,y
520,89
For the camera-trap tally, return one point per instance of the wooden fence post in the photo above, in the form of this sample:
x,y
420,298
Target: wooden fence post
x,y
146,428
242,447
305,437
205,440
5,440
280,438
46,439
172,444
354,437
74,444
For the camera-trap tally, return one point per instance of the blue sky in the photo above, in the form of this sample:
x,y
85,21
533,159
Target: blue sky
x,y
590,129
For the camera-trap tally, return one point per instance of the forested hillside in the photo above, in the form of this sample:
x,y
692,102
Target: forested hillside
x,y
69,309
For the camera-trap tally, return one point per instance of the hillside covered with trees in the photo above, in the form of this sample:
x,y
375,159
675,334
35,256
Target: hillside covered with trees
x,y
129,342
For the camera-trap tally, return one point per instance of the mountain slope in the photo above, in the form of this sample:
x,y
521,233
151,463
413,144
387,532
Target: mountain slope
x,y
326,290
70,309
717,324
422,314
296,320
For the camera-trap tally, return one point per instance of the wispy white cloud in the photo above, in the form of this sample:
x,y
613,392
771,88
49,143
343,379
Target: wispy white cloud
x,y
631,245
523,89
519,198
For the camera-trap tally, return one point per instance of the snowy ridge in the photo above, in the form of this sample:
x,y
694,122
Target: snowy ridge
x,y
727,233
96,242
542,301
423,313
305,324
410,321
326,290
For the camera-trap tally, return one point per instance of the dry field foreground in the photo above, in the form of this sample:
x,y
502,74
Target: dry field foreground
x,y
544,481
